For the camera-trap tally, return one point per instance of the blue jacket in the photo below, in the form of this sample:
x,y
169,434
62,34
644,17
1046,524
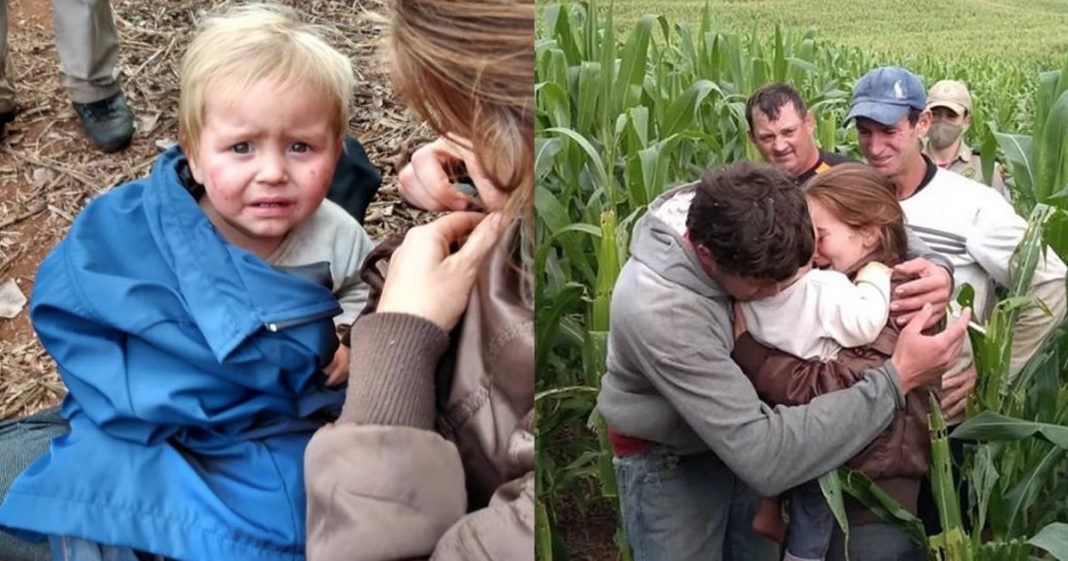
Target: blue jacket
x,y
195,384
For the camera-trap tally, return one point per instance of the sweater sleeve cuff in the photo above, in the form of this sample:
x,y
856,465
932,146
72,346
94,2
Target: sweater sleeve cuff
x,y
890,372
391,377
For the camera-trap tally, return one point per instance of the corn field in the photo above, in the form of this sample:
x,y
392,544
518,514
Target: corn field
x,y
621,117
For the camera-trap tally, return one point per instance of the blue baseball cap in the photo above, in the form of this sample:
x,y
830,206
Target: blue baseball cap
x,y
885,95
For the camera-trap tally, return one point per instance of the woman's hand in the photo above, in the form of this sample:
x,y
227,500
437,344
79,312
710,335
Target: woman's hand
x,y
425,182
425,280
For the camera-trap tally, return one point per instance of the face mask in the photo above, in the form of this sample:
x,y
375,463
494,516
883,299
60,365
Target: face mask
x,y
942,134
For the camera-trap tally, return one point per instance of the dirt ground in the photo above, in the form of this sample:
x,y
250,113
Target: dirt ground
x,y
48,170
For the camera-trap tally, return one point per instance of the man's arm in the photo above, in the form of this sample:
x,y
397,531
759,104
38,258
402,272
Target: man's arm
x,y
998,232
932,283
785,379
680,342
854,314
917,249
772,449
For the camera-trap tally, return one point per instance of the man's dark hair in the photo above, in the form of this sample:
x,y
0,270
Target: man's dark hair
x,y
753,219
914,116
770,99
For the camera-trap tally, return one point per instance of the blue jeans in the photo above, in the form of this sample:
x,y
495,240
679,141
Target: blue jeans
x,y
875,542
811,522
687,508
75,549
23,441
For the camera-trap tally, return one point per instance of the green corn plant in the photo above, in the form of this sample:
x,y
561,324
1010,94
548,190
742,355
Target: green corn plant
x,y
624,112
952,544
1039,161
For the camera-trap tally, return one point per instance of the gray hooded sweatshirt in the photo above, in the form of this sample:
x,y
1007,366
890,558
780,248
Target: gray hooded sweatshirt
x,y
671,380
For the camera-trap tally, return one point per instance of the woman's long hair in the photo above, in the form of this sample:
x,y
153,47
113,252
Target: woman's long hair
x,y
860,198
467,67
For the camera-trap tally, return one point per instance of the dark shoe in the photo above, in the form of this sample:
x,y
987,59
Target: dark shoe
x,y
108,122
5,118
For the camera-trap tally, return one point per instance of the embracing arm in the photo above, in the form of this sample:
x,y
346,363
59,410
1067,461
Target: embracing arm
x,y
770,448
999,230
784,379
854,314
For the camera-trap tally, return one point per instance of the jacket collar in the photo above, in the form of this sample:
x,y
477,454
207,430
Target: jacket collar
x,y
965,153
231,293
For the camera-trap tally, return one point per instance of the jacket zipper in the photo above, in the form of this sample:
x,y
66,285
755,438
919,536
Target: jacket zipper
x,y
275,327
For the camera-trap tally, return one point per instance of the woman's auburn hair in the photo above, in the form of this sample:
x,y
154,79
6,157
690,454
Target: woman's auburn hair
x,y
860,197
467,67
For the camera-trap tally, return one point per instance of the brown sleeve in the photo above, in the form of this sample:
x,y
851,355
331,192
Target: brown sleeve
x,y
380,492
749,354
391,376
503,530
784,379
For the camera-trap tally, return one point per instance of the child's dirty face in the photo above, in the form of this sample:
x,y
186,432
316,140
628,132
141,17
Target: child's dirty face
x,y
265,158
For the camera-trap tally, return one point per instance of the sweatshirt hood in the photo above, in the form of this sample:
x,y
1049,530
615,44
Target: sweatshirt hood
x,y
659,242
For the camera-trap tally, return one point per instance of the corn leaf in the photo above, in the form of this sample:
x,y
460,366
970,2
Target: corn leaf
x,y
1053,539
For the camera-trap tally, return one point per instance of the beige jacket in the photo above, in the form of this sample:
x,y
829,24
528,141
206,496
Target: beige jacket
x,y
407,475
970,165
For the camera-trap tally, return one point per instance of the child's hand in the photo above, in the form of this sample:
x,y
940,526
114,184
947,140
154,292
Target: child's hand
x,y
338,370
874,272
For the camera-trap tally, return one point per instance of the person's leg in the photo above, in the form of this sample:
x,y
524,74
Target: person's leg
x,y
77,549
875,542
88,50
23,441
675,508
742,543
7,92
768,520
811,523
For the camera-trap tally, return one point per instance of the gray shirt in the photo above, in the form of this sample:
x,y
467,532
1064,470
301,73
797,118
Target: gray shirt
x,y
332,235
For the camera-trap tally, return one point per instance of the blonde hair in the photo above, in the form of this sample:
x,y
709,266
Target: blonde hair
x,y
234,51
467,67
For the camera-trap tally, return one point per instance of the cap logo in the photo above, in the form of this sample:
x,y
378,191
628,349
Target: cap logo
x,y
899,92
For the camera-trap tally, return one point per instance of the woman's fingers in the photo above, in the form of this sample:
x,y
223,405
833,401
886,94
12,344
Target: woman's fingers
x,y
425,280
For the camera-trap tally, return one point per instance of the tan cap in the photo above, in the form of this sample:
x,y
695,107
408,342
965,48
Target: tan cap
x,y
951,94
